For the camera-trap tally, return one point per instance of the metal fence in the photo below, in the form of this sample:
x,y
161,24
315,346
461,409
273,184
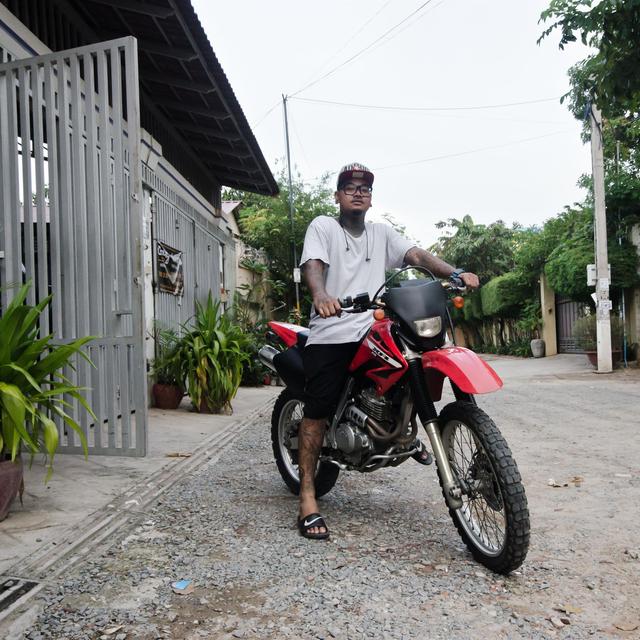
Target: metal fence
x,y
70,144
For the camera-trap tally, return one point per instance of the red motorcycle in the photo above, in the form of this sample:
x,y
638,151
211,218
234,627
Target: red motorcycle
x,y
397,374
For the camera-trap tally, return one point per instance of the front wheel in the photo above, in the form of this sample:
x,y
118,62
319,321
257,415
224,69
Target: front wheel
x,y
285,422
494,518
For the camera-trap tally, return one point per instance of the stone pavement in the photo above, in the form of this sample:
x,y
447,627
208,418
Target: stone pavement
x,y
194,517
82,490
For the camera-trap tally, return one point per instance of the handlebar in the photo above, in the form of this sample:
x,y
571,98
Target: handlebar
x,y
362,302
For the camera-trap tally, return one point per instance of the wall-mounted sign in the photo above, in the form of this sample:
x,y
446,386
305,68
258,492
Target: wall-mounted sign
x,y
169,267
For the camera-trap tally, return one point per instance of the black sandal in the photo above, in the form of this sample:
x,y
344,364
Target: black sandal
x,y
309,522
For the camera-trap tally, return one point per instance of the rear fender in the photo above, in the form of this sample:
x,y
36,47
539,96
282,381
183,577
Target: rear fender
x,y
463,367
286,331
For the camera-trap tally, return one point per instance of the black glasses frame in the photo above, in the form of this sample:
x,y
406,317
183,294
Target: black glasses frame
x,y
351,189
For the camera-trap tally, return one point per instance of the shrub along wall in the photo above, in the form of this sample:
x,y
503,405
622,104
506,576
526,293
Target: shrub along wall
x,y
502,317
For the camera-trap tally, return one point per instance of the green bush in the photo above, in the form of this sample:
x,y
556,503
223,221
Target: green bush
x,y
472,309
503,296
212,352
585,333
167,367
253,371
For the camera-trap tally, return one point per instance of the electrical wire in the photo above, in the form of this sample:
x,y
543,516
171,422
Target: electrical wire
x,y
408,26
352,37
299,140
264,116
399,108
472,151
359,53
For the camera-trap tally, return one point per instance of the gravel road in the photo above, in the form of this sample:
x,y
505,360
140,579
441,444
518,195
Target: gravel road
x,y
395,566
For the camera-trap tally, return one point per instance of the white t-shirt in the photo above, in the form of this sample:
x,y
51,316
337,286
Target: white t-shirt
x,y
348,273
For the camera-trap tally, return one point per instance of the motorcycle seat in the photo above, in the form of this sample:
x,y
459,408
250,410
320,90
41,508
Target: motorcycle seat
x,y
302,338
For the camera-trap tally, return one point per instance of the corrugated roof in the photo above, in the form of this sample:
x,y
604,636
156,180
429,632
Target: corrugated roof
x,y
189,91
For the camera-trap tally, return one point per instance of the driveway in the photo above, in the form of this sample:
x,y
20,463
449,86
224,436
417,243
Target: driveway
x,y
395,567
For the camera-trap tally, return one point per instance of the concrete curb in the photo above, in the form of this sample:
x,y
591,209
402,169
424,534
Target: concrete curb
x,y
42,568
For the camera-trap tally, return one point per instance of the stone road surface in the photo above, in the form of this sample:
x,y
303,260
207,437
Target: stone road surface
x,y
395,567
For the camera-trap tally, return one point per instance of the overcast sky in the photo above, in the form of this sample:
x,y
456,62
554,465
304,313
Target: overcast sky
x,y
517,163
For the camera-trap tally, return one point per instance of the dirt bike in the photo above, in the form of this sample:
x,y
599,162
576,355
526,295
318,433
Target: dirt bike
x,y
397,374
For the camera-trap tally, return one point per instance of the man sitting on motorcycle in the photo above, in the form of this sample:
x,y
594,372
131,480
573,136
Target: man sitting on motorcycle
x,y
342,257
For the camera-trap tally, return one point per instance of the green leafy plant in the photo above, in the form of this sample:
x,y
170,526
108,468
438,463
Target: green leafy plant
x,y
585,333
167,366
212,351
33,391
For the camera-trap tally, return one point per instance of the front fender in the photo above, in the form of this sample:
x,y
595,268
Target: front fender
x,y
463,367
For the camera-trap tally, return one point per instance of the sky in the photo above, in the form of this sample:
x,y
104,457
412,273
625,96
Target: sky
x,y
433,156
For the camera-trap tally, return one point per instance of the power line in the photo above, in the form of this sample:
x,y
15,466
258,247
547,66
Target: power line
x,y
359,53
408,26
472,151
352,37
271,109
399,108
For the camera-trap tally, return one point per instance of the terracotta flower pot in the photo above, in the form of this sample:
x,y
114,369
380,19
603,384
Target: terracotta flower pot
x,y
166,396
10,482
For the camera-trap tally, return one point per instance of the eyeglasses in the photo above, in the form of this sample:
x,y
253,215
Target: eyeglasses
x,y
351,189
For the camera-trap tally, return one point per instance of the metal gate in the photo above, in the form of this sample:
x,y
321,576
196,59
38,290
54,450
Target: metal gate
x,y
567,312
71,223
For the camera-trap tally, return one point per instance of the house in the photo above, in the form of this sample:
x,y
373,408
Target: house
x,y
252,274
119,124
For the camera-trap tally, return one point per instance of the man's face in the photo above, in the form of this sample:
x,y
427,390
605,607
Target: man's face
x,y
354,197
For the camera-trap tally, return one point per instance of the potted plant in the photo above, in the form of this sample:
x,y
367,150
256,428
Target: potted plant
x,y
167,370
530,322
212,351
586,337
34,393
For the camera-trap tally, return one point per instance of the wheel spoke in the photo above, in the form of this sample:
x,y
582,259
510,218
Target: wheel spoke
x,y
468,459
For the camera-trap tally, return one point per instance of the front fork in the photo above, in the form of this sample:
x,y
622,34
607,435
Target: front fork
x,y
429,418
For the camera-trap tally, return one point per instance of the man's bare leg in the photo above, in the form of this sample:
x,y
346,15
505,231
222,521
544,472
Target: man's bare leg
x,y
310,439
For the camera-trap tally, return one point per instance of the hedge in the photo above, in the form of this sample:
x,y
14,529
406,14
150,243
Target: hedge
x,y
504,295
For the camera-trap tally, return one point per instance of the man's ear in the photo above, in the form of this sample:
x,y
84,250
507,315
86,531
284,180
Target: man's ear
x,y
335,196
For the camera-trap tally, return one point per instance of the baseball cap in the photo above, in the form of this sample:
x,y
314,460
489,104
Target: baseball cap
x,y
354,170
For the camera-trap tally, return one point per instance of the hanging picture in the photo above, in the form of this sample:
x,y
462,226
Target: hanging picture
x,y
170,272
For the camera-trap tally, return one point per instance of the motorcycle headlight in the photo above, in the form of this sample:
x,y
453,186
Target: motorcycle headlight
x,y
428,327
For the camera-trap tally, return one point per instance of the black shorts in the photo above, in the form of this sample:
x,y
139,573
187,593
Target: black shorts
x,y
325,370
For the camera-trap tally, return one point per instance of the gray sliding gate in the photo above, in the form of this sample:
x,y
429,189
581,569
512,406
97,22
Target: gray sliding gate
x,y
71,223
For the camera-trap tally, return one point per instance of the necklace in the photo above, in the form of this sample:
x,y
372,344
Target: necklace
x,y
346,240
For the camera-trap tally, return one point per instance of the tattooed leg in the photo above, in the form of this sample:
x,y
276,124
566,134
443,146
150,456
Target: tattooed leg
x,y
310,439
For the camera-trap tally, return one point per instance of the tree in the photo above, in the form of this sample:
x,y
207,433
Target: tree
x,y
610,77
487,250
611,74
265,223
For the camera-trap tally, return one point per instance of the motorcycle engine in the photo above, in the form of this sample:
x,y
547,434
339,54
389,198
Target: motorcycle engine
x,y
380,409
351,437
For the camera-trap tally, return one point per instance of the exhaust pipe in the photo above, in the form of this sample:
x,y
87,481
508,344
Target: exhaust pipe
x,y
266,356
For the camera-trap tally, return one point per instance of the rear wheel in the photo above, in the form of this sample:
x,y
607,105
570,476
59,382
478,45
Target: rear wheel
x,y
494,518
285,423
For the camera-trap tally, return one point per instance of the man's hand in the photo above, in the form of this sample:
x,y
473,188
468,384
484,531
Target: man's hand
x,y
470,279
326,306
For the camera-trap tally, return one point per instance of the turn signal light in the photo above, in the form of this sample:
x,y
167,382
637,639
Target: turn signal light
x,y
378,314
458,302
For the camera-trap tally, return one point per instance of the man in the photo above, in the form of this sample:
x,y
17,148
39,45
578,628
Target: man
x,y
343,257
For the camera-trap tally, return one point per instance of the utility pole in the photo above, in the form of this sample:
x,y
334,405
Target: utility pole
x,y
296,270
603,304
